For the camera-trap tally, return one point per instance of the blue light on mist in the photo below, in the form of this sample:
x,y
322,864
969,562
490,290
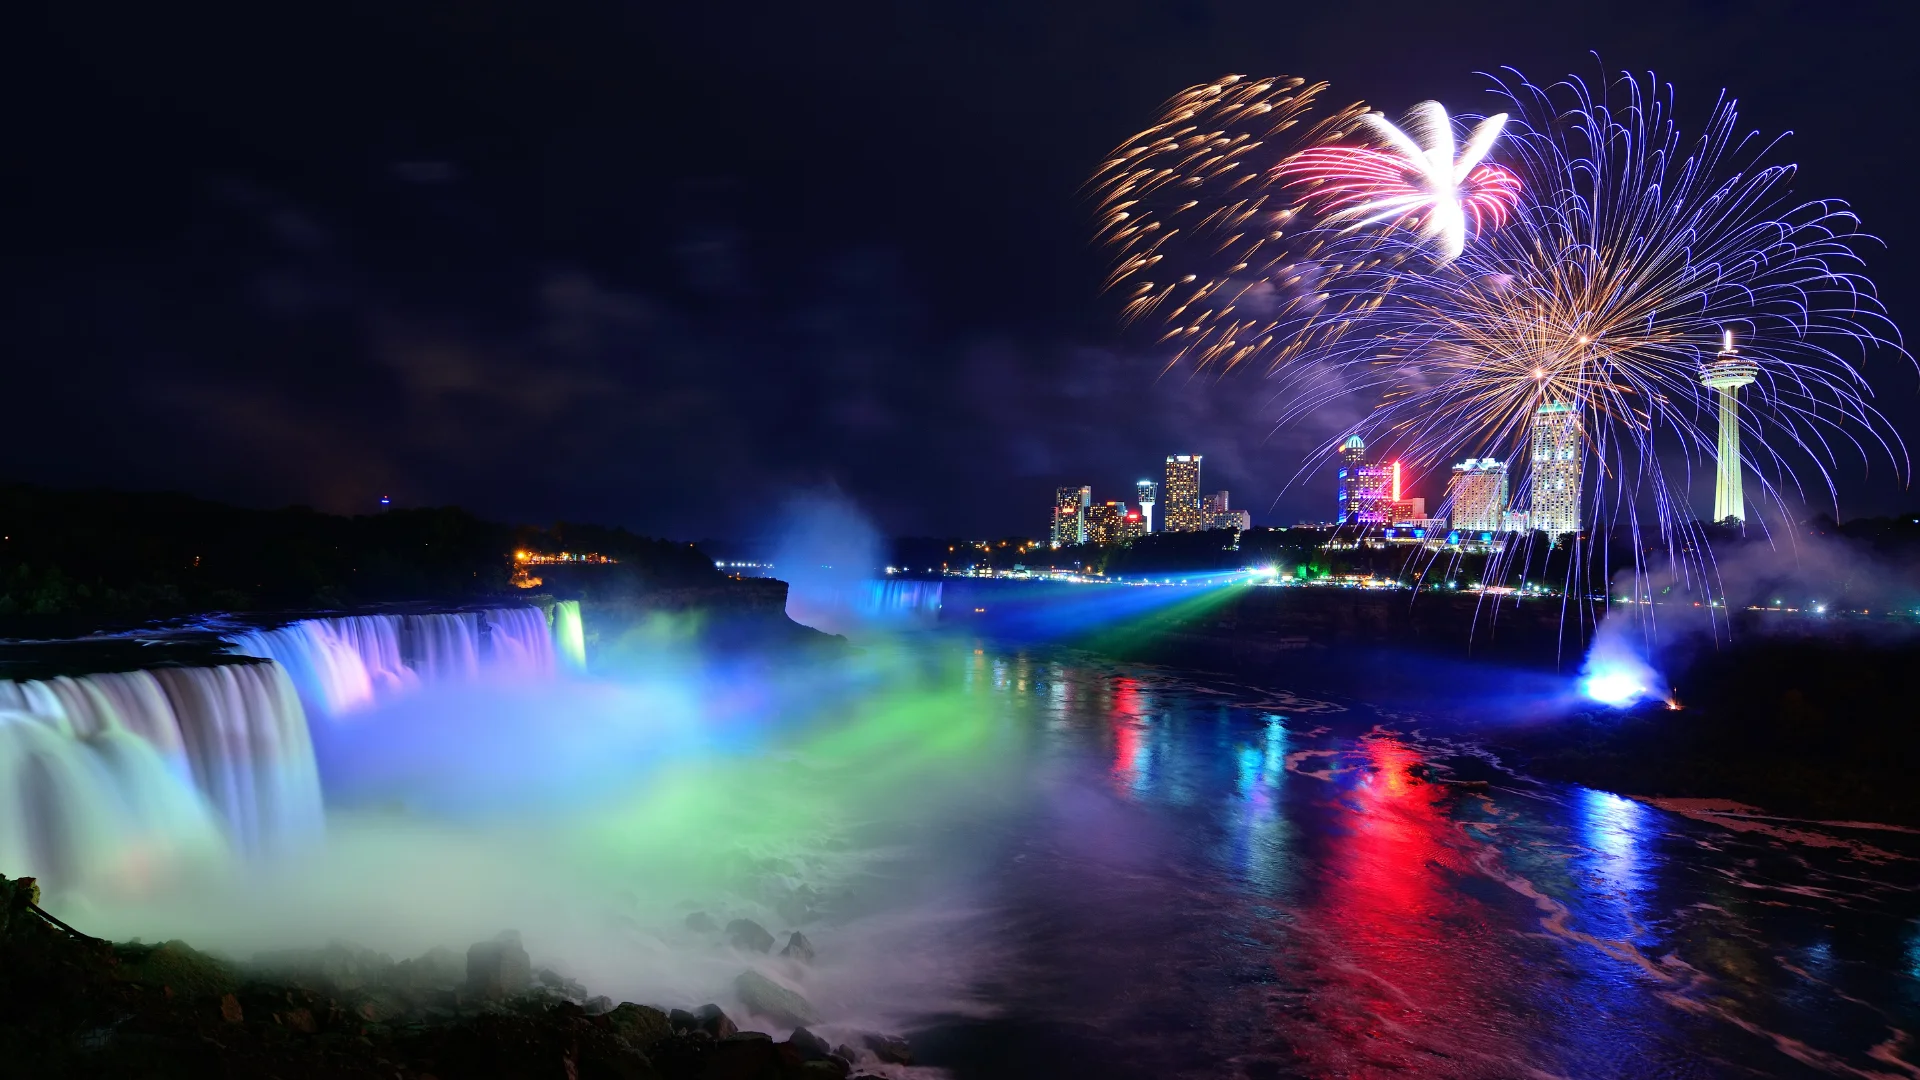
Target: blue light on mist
x,y
1616,687
1615,673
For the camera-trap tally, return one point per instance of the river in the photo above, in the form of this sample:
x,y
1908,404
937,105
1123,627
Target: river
x,y
1214,880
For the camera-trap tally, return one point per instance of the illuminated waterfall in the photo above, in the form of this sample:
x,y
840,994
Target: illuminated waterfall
x,y
569,635
344,663
110,778
113,776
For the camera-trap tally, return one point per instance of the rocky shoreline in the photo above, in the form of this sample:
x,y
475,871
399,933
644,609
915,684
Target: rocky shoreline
x,y
75,1005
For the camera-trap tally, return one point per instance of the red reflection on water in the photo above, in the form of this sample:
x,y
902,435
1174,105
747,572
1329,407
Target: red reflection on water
x,y
1403,984
1130,752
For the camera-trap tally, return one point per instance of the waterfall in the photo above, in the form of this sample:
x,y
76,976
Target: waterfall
x,y
343,663
903,598
569,635
114,775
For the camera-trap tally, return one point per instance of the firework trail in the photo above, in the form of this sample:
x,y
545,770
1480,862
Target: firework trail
x,y
1206,239
1629,255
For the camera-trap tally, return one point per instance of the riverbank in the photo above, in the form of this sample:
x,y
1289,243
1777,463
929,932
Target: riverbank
x,y
1807,718
73,1005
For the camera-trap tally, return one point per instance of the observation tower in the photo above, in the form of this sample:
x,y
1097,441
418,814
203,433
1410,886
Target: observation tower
x,y
1727,374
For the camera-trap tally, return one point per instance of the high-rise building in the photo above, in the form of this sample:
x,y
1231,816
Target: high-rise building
x,y
1556,469
1478,492
1106,523
1725,376
1147,493
1183,494
1070,515
1366,491
1237,520
1134,526
1215,502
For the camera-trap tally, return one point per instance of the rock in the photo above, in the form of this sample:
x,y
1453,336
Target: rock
x,y
847,1052
812,1047
179,967
799,948
891,1049
598,1004
568,988
682,1021
711,1020
498,968
642,1026
747,934
438,968
702,922
747,1055
800,906
764,997
230,1009
828,1068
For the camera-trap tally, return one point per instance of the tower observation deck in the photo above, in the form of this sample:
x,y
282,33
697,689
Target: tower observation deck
x,y
1728,372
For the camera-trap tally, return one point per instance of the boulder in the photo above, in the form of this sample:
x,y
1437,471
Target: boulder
x,y
640,1025
846,1052
746,1055
598,1004
799,907
702,922
811,1047
747,934
891,1049
764,997
714,1022
498,968
827,1068
799,948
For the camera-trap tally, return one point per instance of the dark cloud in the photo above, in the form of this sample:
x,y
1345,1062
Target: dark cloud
x,y
662,267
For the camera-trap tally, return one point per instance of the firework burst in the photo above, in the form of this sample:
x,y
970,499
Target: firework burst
x,y
1631,255
1206,241
1416,181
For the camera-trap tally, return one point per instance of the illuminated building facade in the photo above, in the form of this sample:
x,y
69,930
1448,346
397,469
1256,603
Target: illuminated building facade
x,y
1183,513
1725,376
1106,523
1070,515
1478,492
1556,469
1366,491
1146,492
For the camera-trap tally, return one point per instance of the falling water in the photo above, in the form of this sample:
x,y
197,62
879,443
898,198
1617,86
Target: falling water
x,y
569,635
344,663
114,775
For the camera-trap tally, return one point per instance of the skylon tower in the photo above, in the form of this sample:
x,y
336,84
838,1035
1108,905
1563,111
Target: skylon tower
x,y
1727,374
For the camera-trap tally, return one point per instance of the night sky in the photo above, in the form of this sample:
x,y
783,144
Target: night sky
x,y
668,265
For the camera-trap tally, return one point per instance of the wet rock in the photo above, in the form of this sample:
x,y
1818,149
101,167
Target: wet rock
x,y
799,948
498,968
799,907
340,966
711,1020
827,1068
846,1052
891,1049
178,967
598,1004
764,997
811,1047
568,988
642,1026
747,934
439,968
701,922
230,1010
747,1055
